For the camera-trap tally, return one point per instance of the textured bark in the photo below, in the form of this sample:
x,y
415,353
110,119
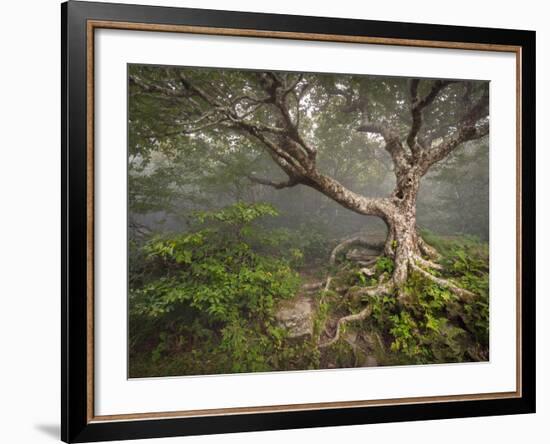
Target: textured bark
x,y
402,243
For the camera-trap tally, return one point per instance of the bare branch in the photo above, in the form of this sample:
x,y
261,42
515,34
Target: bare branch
x,y
374,206
473,126
294,84
275,87
154,88
283,142
393,145
417,108
377,128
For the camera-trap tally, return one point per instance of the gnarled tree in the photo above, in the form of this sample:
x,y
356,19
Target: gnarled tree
x,y
418,122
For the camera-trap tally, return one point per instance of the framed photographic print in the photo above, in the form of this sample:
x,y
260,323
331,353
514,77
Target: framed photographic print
x,y
276,221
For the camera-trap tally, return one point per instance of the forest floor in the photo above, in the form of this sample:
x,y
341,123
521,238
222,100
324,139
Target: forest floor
x,y
394,337
298,330
323,299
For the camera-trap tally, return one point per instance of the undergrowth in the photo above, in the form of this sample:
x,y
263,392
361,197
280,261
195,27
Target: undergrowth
x,y
203,301
427,324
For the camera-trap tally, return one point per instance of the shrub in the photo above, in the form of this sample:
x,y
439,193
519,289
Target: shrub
x,y
209,294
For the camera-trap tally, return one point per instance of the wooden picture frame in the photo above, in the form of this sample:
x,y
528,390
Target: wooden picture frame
x,y
80,20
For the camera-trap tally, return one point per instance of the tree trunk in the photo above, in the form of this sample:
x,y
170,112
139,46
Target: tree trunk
x,y
402,243
405,245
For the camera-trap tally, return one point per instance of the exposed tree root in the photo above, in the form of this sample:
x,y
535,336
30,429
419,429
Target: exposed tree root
x,y
382,288
462,293
377,290
340,248
327,285
348,243
368,271
367,263
427,263
427,249
416,263
363,314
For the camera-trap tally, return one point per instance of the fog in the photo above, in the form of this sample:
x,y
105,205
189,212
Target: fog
x,y
270,211
186,154
453,200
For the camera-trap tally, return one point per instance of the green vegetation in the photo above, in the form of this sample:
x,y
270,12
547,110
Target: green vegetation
x,y
203,301
242,183
424,323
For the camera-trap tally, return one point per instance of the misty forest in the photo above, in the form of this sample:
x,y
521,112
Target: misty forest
x,y
300,221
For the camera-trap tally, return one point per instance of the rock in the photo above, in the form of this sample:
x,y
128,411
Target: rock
x,y
351,338
370,340
362,254
296,316
362,348
313,286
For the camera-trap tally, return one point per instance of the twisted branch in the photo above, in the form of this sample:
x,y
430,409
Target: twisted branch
x,y
417,108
